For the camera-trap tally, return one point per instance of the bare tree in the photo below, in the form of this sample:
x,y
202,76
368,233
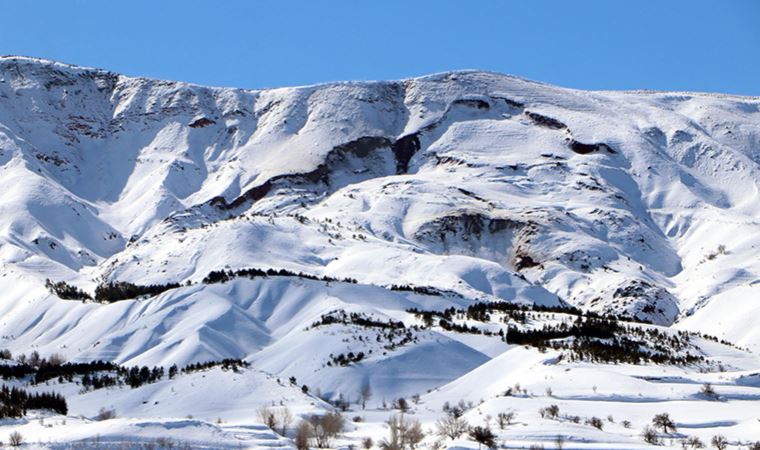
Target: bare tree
x,y
404,433
505,418
452,426
56,359
693,442
719,442
267,416
304,434
326,428
401,404
35,359
365,394
283,419
394,440
664,422
483,436
551,412
413,434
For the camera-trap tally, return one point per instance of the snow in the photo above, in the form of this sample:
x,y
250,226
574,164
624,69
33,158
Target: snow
x,y
104,178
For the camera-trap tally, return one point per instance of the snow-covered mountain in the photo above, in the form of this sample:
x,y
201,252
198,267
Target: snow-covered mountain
x,y
428,193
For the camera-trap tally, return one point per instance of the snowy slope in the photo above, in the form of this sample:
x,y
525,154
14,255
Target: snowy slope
x,y
472,185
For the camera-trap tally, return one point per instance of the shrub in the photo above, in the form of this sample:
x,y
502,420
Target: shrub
x,y
650,436
595,422
505,419
694,442
164,442
106,414
709,391
401,404
15,439
367,443
483,436
551,412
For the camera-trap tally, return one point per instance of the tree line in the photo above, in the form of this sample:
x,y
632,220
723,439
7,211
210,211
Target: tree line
x,y
15,402
107,292
223,276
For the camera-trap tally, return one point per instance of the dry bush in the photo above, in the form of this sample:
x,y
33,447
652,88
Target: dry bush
x,y
719,442
650,436
304,434
404,433
452,427
326,427
15,439
106,414
693,442
595,422
505,418
56,359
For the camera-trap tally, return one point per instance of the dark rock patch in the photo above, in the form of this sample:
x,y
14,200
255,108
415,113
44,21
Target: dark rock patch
x,y
585,149
363,146
404,149
525,262
545,121
202,122
511,103
472,103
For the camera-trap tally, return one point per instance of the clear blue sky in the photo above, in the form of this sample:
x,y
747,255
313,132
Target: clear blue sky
x,y
604,44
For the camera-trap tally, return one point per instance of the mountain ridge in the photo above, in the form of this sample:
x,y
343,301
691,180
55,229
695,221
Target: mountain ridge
x,y
483,245
188,128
